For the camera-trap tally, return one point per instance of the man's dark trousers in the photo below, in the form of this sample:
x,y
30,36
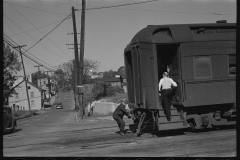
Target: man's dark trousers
x,y
120,122
166,96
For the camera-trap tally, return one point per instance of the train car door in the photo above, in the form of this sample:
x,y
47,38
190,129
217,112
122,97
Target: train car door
x,y
129,75
148,72
168,58
136,75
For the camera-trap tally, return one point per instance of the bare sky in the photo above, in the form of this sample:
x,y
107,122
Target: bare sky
x,y
108,30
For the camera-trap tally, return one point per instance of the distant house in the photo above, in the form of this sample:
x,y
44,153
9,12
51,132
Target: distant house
x,y
45,84
19,100
117,81
97,75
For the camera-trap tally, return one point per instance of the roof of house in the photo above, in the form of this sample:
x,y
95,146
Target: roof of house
x,y
123,76
43,90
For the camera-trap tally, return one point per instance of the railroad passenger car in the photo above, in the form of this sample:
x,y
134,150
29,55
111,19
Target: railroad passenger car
x,y
201,58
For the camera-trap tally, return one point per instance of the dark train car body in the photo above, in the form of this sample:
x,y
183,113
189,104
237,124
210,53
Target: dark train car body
x,y
201,58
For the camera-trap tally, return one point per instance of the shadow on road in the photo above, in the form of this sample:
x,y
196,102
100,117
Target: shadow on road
x,y
184,131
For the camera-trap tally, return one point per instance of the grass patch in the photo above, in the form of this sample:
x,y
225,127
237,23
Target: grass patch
x,y
22,113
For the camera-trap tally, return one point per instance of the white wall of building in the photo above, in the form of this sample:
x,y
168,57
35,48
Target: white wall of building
x,y
20,99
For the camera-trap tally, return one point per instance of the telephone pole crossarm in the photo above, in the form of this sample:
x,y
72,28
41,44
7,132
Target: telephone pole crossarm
x,y
72,33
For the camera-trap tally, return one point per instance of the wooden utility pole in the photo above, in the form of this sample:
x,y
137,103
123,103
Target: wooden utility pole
x,y
49,84
40,86
82,36
25,77
40,74
82,52
76,60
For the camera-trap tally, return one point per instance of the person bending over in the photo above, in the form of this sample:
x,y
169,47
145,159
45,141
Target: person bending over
x,y
118,114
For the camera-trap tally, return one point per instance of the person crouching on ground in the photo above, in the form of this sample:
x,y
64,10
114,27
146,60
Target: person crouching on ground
x,y
118,114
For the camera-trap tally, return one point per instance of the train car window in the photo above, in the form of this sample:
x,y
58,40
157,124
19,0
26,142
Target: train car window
x,y
202,67
232,65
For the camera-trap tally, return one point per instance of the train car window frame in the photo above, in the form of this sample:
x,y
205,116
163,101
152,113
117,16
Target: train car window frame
x,y
232,65
202,66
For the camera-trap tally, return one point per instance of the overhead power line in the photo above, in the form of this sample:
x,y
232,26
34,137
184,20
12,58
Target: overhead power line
x,y
30,37
174,11
35,8
128,4
50,31
35,28
39,30
27,61
27,55
13,44
120,5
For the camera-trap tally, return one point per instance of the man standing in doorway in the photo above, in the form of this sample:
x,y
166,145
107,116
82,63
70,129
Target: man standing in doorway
x,y
165,87
118,114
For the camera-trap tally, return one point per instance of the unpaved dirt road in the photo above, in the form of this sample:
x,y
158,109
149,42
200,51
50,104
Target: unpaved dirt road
x,y
57,134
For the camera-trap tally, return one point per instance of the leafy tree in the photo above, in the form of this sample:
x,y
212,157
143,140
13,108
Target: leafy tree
x,y
121,71
67,69
60,74
11,65
109,74
88,67
112,74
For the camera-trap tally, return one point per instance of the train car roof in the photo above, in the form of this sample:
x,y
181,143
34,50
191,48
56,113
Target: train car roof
x,y
176,33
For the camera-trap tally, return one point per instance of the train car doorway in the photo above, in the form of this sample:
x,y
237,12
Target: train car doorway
x,y
167,59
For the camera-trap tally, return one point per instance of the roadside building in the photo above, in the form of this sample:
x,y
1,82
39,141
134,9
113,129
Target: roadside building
x,y
96,75
19,100
44,83
53,85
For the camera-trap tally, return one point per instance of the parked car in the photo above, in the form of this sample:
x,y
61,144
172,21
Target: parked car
x,y
8,120
59,106
53,93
